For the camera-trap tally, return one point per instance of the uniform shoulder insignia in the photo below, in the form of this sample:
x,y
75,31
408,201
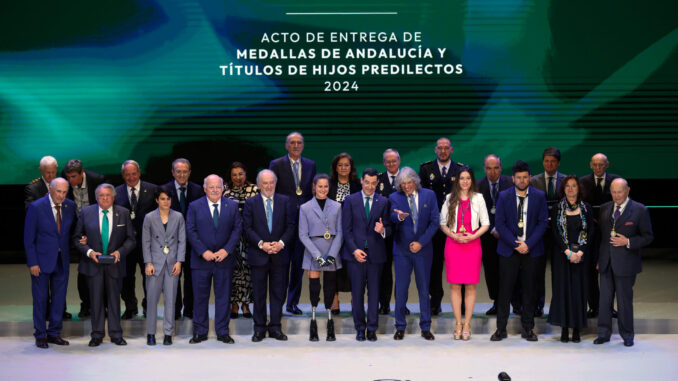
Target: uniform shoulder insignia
x,y
34,181
427,162
461,164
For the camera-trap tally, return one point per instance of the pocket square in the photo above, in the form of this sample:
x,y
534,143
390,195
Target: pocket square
x,y
120,225
629,223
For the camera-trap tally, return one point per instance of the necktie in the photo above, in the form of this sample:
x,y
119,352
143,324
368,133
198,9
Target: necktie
x,y
392,180
494,192
444,171
215,215
617,213
133,199
521,204
415,212
269,215
104,232
599,186
182,199
295,166
58,218
367,207
551,192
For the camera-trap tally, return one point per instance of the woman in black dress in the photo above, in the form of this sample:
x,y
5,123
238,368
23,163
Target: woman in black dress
x,y
572,225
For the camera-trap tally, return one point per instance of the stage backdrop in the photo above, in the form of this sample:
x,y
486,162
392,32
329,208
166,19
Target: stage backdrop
x,y
216,81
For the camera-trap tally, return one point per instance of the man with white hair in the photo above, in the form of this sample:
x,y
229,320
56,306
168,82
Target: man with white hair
x,y
38,188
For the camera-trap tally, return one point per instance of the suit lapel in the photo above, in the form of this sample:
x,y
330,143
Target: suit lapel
x,y
317,210
47,210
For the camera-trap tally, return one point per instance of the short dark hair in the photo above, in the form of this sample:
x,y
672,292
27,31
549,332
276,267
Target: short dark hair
x,y
564,183
73,165
234,165
521,166
320,176
160,190
334,176
551,151
369,172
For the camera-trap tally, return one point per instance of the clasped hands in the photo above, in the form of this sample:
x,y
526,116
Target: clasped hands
x,y
219,256
522,247
575,256
271,247
619,240
95,256
150,269
325,262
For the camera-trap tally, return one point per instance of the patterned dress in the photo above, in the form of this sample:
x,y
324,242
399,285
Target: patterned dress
x,y
241,292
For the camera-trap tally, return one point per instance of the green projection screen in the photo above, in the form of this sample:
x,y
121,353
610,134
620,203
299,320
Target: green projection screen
x,y
104,81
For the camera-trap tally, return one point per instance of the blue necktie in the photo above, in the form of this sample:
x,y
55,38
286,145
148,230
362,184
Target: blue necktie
x,y
215,215
296,173
182,199
444,171
269,215
494,192
415,212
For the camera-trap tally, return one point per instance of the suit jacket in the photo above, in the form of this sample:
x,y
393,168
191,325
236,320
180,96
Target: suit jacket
x,y
634,223
122,239
145,203
427,226
203,236
155,237
286,186
35,190
193,192
384,187
506,222
484,187
432,178
354,186
358,229
256,228
312,224
42,240
539,181
588,186
92,181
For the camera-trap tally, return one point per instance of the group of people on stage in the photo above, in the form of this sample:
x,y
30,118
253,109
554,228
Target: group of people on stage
x,y
253,242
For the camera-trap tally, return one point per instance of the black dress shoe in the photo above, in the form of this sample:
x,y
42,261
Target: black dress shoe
x,y
119,341
330,331
129,314
385,310
196,339
371,335
188,315
427,335
517,311
167,340
313,335
435,311
278,335
247,315
600,340
41,343
294,310
336,312
67,316
56,340
539,312
94,342
498,335
150,339
226,339
491,311
614,314
258,336
84,312
575,335
407,311
234,315
564,335
529,335
360,336
399,335
592,314
628,342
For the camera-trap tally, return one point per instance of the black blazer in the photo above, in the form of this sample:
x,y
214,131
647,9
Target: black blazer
x,y
384,187
92,181
484,187
145,204
285,186
588,186
193,192
354,186
33,191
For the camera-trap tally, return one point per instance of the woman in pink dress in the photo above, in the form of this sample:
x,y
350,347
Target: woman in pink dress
x,y
463,218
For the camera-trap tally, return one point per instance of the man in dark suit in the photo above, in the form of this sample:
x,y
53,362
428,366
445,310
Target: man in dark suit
x,y
549,182
366,224
294,180
39,187
625,227
391,159
109,231
82,183
183,192
415,215
595,189
439,175
521,220
47,233
490,186
213,227
269,220
136,196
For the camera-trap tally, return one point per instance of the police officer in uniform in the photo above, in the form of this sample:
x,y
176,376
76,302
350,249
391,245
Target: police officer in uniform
x,y
439,175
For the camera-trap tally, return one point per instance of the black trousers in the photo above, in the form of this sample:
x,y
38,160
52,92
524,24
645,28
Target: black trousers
x,y
490,264
132,260
386,282
435,287
510,269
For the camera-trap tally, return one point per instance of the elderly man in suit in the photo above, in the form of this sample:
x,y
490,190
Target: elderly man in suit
x,y
625,227
47,240
183,192
366,224
269,221
82,183
415,215
109,231
39,187
490,186
294,179
136,196
549,182
213,227
521,220
595,189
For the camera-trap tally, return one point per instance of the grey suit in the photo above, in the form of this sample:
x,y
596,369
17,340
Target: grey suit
x,y
312,226
154,238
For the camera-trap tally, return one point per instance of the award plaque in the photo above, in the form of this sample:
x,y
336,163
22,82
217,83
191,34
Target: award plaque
x,y
106,259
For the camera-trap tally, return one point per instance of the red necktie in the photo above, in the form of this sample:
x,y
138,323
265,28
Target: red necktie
x,y
58,208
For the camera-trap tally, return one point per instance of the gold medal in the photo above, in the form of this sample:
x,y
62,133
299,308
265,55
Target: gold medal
x,y
132,215
520,224
493,210
165,249
327,234
381,186
613,233
462,229
432,177
299,192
